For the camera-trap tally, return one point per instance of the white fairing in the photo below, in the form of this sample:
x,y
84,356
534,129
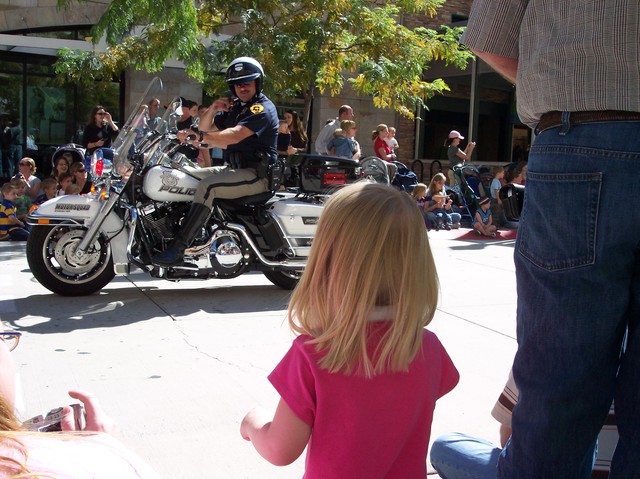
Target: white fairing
x,y
83,209
297,218
168,184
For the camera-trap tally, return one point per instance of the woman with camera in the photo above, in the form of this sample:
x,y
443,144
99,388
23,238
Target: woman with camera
x,y
100,130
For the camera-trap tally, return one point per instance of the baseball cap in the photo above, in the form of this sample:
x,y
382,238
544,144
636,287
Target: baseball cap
x,y
455,134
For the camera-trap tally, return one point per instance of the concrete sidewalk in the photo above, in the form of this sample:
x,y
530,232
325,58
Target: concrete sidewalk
x,y
179,364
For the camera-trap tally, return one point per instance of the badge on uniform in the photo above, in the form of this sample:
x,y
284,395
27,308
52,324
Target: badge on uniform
x,y
255,109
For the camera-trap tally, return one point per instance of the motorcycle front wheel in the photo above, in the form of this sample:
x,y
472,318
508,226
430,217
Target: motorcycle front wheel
x,y
50,254
283,279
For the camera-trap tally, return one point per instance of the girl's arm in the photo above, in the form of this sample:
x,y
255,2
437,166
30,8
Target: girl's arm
x,y
280,440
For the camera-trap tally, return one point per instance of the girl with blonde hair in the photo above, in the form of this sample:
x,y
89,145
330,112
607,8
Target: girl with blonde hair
x,y
359,384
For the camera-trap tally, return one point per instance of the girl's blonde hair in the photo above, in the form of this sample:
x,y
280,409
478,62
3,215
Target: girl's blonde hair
x,y
346,125
370,250
379,128
419,191
433,187
11,467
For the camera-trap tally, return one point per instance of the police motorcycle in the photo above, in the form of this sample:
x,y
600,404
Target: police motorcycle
x,y
79,243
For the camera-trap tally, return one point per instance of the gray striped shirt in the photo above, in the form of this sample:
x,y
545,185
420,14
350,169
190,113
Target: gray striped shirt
x,y
573,55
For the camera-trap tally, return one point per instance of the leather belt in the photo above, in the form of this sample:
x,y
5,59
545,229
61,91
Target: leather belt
x,y
553,119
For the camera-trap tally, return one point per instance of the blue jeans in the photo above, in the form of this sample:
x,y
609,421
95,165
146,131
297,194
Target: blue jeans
x,y
458,456
578,281
447,218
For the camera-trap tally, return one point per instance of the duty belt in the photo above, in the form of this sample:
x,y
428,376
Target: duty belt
x,y
553,119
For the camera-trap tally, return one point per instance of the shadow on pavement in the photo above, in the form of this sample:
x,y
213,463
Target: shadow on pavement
x,y
117,306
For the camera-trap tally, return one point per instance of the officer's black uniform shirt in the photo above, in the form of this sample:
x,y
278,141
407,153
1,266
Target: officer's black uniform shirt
x,y
259,116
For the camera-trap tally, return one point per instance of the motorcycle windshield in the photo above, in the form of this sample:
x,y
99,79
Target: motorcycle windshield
x,y
138,125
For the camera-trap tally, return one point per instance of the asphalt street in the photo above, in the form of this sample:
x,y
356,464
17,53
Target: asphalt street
x,y
177,365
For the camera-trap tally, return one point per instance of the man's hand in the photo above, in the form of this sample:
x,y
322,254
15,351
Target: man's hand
x,y
221,104
187,136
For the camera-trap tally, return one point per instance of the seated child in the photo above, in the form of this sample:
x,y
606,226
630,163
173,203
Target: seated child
x,y
22,201
359,384
64,180
10,226
72,189
419,193
482,221
49,189
441,204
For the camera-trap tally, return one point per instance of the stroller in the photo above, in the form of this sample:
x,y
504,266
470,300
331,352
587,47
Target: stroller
x,y
71,151
377,170
470,186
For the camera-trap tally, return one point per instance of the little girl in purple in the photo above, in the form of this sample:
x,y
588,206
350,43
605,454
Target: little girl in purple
x,y
359,384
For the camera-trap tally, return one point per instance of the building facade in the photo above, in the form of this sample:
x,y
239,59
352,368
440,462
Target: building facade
x,y
479,104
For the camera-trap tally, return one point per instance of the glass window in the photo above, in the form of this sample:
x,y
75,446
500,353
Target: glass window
x,y
48,112
9,66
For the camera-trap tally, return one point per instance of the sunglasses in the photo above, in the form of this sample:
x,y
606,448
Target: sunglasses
x,y
101,113
11,338
81,171
23,164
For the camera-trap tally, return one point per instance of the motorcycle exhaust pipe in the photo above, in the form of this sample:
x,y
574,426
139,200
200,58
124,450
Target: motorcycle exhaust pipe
x,y
287,264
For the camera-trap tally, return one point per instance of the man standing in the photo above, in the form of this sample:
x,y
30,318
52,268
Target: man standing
x,y
248,134
578,271
324,137
13,135
154,114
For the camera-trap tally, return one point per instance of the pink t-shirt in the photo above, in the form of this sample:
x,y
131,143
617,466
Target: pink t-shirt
x,y
366,428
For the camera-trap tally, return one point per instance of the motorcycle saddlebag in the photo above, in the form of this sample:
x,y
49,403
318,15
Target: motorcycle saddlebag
x,y
320,174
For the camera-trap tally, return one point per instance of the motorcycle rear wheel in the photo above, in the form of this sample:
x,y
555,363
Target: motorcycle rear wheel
x,y
284,279
50,257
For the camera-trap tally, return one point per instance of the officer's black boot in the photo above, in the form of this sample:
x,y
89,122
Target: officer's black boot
x,y
190,227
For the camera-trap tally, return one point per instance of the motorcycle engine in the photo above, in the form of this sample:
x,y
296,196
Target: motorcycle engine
x,y
225,253
161,220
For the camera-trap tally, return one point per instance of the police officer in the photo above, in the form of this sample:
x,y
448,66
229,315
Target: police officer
x,y
248,134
